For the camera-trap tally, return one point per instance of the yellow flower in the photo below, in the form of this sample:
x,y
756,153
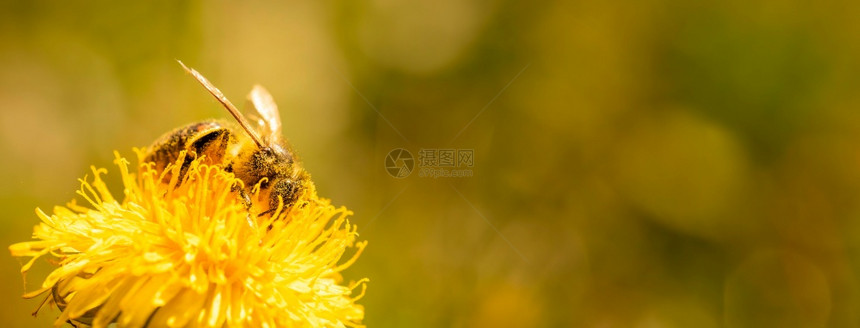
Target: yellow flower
x,y
190,253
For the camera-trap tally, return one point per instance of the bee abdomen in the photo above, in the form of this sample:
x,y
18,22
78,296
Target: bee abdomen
x,y
209,139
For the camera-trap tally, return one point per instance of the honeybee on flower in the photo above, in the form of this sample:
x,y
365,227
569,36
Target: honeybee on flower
x,y
219,226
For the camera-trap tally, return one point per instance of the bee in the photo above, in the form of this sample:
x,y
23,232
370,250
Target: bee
x,y
252,148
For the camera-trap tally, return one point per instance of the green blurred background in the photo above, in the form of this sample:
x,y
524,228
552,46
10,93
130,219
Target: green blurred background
x,y
637,164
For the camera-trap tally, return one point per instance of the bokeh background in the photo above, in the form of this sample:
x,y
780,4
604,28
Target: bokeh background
x,y
656,163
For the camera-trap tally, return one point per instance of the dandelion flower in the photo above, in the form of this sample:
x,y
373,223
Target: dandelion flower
x,y
190,253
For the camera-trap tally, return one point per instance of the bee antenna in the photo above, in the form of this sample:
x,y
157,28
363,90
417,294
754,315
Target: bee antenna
x,y
227,104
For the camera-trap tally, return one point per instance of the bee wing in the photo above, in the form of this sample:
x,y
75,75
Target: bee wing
x,y
265,113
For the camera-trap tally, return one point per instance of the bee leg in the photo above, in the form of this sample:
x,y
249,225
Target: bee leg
x,y
269,211
58,300
245,198
247,201
41,305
